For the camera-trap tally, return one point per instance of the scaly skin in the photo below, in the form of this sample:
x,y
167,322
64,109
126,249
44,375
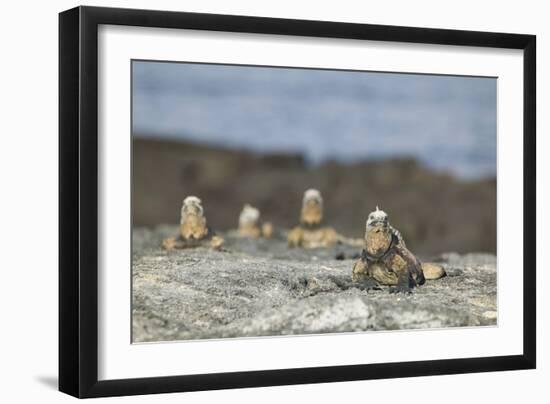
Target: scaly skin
x,y
388,261
249,231
312,237
193,229
250,225
310,233
397,266
312,212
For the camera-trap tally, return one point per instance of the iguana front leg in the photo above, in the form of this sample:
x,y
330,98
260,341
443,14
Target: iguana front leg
x,y
361,276
405,284
295,237
368,284
360,271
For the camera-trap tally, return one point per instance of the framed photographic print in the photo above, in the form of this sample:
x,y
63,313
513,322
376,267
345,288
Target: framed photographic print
x,y
250,201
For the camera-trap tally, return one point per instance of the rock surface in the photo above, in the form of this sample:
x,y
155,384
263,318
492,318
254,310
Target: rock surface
x,y
262,288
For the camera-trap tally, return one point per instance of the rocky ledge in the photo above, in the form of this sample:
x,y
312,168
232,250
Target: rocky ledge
x,y
262,288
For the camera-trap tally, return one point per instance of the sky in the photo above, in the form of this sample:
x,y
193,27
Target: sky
x,y
448,123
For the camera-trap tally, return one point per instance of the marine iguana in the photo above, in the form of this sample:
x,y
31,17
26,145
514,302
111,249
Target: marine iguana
x,y
250,224
386,260
310,233
194,231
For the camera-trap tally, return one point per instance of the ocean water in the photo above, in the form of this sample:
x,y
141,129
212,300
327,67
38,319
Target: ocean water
x,y
448,123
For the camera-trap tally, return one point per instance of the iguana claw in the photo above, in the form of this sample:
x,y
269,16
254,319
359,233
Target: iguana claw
x,y
369,284
401,289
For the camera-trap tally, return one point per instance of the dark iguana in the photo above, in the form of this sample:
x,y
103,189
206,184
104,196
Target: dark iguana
x,y
386,260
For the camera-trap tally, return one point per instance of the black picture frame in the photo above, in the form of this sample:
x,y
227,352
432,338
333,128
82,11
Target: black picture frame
x,y
78,201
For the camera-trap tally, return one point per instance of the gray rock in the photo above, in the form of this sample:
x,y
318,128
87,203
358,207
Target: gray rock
x,y
261,288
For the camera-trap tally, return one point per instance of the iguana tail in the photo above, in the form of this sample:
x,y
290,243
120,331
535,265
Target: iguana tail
x,y
433,271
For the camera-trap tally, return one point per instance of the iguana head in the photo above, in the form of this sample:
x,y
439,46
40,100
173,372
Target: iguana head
x,y
312,207
378,234
378,218
192,206
249,217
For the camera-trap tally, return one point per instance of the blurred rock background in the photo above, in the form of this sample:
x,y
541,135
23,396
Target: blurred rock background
x,y
435,212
